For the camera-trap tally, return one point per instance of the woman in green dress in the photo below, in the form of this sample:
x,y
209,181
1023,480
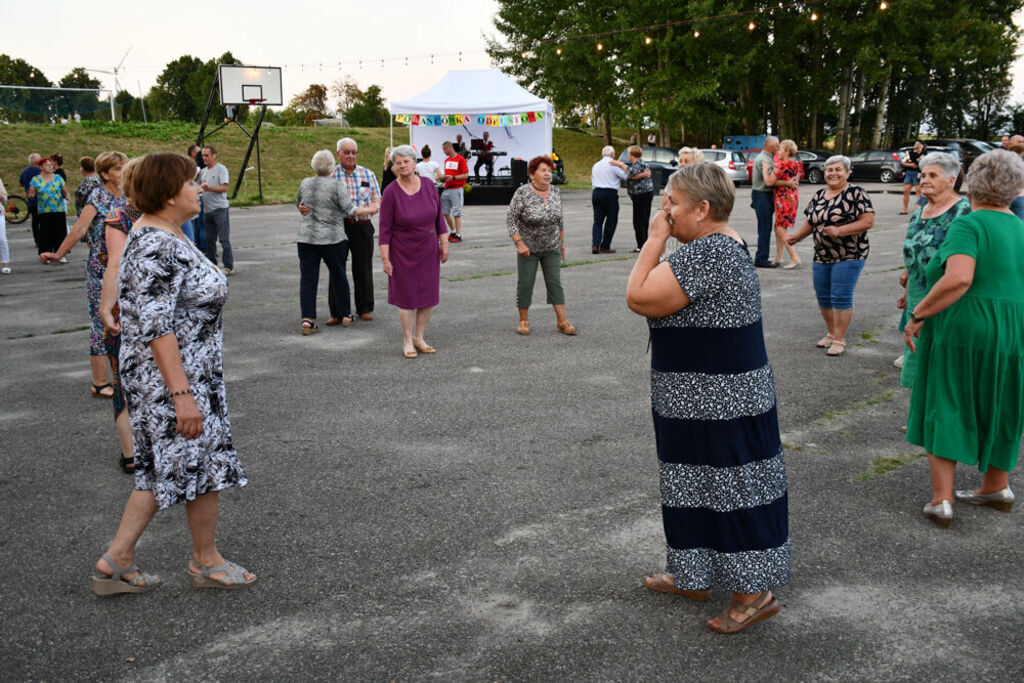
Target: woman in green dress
x,y
928,226
968,332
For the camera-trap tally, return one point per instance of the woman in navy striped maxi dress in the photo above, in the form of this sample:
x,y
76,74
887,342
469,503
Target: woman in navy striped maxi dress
x,y
722,471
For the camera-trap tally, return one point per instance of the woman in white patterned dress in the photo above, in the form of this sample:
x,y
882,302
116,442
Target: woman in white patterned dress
x,y
172,374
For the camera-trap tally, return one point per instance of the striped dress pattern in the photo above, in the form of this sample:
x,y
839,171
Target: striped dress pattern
x,y
722,468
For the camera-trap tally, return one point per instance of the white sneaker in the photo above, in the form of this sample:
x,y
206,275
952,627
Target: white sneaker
x,y
898,362
64,260
6,270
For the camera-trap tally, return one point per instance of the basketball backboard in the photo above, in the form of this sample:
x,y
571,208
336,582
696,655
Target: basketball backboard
x,y
243,84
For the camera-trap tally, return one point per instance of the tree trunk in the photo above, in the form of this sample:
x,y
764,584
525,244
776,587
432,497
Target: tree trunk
x,y
858,110
844,111
815,137
607,118
883,100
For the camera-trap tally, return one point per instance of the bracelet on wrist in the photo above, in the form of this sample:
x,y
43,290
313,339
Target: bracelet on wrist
x,y
915,319
183,392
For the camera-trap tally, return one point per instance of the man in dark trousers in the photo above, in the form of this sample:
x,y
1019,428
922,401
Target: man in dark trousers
x,y
485,158
362,187
30,172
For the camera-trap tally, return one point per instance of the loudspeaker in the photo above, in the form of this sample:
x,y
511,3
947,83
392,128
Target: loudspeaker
x,y
519,174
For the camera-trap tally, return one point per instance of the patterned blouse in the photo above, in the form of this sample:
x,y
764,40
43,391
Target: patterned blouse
x,y
83,191
642,186
924,235
537,221
823,212
49,196
330,204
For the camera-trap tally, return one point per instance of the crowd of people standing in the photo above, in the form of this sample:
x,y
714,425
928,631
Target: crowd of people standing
x,y
724,493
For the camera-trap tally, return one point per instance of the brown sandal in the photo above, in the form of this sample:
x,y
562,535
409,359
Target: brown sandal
x,y
664,583
524,327
565,327
767,609
837,347
825,341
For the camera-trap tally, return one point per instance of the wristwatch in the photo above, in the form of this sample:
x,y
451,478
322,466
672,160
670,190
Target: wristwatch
x,y
915,319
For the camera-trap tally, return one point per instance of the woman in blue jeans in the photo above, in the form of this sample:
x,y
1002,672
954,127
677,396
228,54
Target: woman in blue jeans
x,y
322,238
839,216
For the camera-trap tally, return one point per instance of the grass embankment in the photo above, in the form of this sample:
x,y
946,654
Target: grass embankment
x,y
285,151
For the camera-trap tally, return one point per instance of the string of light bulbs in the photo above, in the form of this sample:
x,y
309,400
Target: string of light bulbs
x,y
599,36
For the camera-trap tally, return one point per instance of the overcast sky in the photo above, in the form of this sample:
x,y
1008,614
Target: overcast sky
x,y
307,39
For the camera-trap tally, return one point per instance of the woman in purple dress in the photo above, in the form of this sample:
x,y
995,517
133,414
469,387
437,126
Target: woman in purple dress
x,y
413,245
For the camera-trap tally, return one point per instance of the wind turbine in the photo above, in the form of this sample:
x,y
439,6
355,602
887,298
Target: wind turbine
x,y
115,72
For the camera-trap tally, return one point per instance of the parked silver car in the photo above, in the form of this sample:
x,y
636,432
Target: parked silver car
x,y
731,162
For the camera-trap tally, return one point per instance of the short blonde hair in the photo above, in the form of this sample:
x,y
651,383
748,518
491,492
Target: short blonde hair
x,y
788,146
635,151
698,156
996,178
108,160
706,182
323,162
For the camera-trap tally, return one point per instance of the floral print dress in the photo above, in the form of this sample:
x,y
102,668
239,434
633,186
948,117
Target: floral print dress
x,y
787,199
167,287
105,202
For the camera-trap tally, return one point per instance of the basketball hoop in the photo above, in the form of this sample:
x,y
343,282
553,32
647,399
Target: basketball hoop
x,y
257,100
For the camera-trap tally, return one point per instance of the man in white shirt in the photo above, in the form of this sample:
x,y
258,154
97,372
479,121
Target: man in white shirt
x,y
605,177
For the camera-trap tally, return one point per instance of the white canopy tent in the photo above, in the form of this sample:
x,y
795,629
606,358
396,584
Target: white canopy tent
x,y
474,96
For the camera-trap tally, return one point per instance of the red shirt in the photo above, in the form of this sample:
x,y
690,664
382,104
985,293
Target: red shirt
x,y
455,165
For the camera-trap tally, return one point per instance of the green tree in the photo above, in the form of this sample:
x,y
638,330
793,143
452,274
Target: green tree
x,y
369,110
23,105
182,89
85,103
308,105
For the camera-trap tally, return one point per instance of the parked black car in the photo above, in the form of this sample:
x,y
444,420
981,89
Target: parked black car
x,y
814,164
883,165
967,149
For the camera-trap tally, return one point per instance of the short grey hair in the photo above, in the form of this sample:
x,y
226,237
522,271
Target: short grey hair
x,y
996,178
403,151
343,141
698,156
839,159
607,151
323,162
706,182
949,164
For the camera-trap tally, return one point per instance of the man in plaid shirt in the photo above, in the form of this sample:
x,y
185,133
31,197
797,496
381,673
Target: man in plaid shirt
x,y
364,191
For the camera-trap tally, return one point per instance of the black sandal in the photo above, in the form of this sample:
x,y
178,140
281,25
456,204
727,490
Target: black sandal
x,y
97,390
127,465
309,326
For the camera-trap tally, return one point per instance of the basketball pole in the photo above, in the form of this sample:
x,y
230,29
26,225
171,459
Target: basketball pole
x,y
253,137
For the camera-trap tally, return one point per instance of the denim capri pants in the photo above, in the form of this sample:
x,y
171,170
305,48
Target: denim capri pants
x,y
834,283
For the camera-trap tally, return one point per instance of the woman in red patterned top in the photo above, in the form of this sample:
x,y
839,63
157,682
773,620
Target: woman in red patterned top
x,y
787,199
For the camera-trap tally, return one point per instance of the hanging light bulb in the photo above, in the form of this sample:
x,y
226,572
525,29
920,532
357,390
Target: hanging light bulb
x,y
751,26
647,40
696,34
558,51
814,16
523,54
884,5
600,46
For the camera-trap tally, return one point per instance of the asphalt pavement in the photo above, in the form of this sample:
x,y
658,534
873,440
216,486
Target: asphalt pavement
x,y
486,513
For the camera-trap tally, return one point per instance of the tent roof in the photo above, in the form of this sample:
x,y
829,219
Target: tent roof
x,y
482,91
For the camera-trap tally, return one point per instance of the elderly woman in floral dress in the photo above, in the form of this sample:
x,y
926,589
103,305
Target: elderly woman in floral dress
x,y
535,225
101,201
